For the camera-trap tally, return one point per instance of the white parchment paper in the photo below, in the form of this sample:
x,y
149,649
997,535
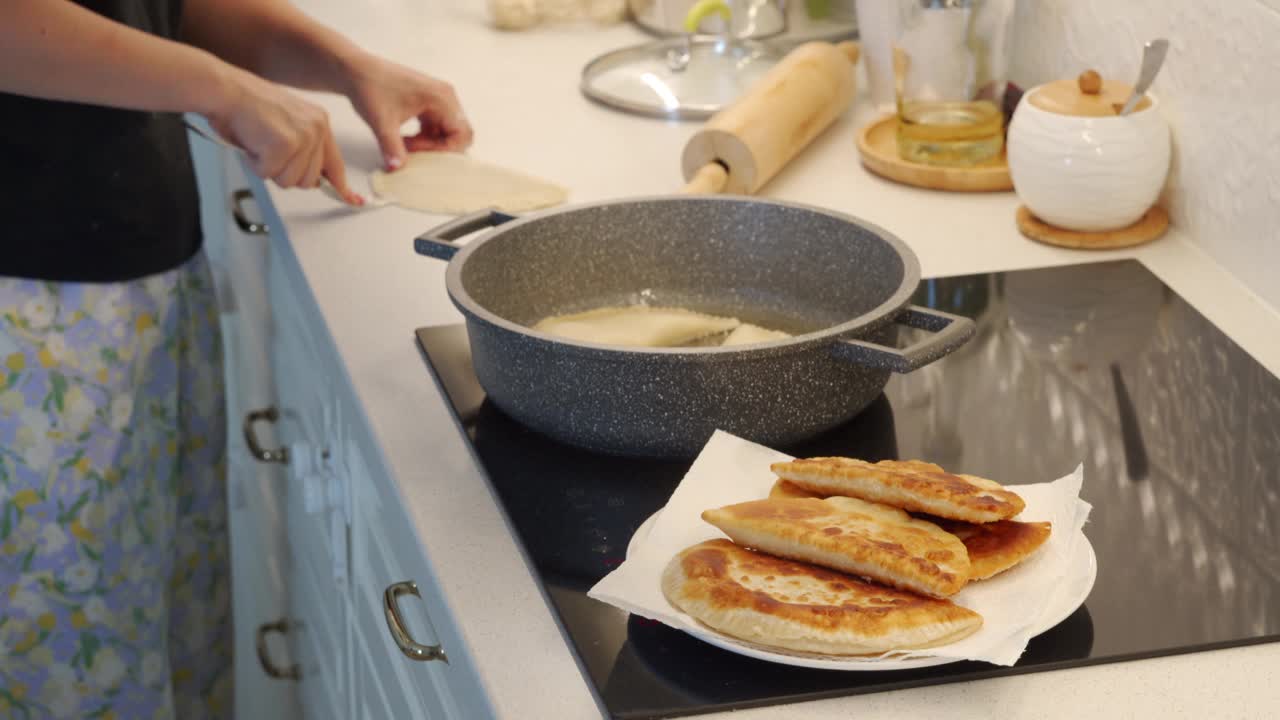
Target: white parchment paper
x,y
729,470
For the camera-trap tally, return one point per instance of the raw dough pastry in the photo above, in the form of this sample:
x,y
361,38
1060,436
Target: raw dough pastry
x,y
636,326
452,183
746,333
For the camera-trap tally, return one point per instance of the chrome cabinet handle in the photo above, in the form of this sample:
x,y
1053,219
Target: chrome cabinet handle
x,y
281,626
242,220
279,455
391,608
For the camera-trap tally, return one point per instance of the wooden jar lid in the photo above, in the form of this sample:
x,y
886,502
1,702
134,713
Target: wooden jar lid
x,y
1088,95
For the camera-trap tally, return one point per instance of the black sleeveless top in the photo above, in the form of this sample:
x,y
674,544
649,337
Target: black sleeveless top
x,y
95,194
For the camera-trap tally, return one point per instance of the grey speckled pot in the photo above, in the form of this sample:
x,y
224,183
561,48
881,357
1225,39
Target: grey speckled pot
x,y
837,283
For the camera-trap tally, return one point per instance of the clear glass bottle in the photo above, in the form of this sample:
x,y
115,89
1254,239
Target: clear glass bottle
x,y
950,64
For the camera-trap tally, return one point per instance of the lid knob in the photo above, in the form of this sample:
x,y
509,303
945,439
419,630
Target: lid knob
x,y
1090,82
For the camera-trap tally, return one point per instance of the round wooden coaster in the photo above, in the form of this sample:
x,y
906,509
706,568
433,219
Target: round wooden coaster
x,y
1149,227
878,146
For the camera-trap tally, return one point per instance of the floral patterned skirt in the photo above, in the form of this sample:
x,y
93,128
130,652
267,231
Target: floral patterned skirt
x,y
114,578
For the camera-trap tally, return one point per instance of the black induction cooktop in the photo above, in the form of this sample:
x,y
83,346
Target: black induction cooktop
x,y
1177,427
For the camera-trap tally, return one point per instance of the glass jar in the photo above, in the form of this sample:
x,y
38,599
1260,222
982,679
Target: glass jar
x,y
950,65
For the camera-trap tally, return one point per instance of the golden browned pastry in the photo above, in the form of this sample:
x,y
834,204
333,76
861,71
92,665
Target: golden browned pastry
x,y
998,546
909,485
993,547
788,489
916,465
779,603
853,536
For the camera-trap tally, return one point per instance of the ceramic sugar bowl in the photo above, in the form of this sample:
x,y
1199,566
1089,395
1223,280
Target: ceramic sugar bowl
x,y
1078,165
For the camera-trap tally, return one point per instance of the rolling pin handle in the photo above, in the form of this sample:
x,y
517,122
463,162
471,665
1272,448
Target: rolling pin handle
x,y
709,180
851,50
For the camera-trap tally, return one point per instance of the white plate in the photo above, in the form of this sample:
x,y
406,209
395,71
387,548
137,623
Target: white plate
x,y
1083,564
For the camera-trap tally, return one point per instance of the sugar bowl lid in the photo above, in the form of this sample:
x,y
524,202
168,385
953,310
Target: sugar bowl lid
x,y
1088,95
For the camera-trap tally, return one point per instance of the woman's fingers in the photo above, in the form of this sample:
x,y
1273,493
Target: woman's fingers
x,y
336,171
287,138
452,134
390,142
315,166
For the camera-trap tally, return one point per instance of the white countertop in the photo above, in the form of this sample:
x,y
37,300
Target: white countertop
x,y
520,91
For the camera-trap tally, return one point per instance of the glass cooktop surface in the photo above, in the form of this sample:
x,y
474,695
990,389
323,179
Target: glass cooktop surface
x,y
1177,427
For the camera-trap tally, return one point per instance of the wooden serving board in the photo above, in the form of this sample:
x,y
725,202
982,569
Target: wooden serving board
x,y
1149,227
878,145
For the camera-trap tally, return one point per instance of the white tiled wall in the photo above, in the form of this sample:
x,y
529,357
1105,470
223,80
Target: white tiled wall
x,y
1221,92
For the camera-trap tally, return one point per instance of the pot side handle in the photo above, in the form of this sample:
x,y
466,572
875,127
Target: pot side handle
x,y
949,332
437,242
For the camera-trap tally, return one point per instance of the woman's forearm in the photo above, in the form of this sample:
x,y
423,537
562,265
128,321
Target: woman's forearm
x,y
61,51
273,39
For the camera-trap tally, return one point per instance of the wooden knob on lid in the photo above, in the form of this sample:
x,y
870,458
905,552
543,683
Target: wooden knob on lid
x,y
1090,82
1087,95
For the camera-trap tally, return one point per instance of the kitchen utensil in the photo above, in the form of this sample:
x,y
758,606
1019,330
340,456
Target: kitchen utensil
x,y
1077,166
839,292
370,202
681,78
778,116
878,147
1153,54
950,60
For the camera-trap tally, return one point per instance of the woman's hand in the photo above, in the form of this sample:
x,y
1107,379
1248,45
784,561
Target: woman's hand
x,y
386,95
286,138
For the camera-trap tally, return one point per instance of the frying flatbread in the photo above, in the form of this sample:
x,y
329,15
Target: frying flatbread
x,y
779,603
992,547
911,486
637,326
452,183
746,333
853,536
998,546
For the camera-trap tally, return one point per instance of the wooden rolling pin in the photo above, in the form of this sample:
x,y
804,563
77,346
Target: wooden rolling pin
x,y
747,143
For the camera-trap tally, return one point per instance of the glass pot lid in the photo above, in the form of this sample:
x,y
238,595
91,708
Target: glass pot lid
x,y
681,78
